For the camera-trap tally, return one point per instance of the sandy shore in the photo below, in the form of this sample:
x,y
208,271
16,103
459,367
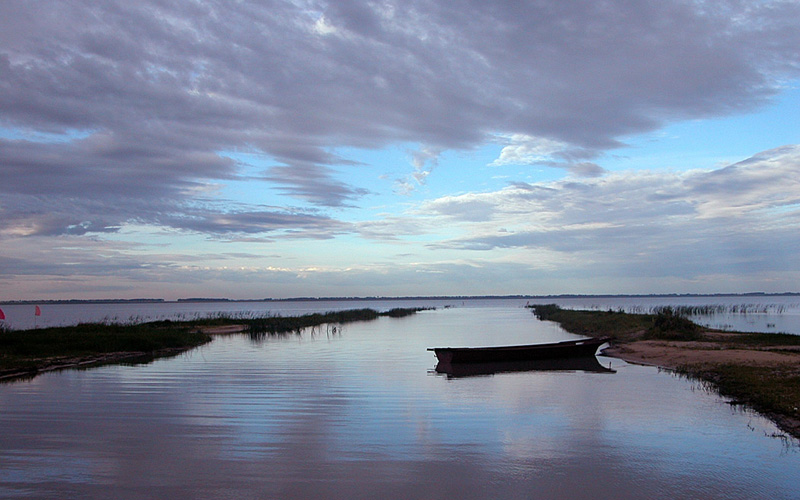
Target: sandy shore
x,y
675,355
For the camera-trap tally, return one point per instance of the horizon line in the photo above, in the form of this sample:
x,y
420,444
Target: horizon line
x,y
406,297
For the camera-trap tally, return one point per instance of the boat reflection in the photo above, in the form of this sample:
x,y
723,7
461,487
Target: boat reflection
x,y
583,364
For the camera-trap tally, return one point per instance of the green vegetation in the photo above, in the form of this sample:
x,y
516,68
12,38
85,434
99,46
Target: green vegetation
x,y
615,324
763,340
665,324
31,351
668,324
275,325
772,390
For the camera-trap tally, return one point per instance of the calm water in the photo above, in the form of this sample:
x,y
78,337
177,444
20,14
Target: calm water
x,y
362,414
759,314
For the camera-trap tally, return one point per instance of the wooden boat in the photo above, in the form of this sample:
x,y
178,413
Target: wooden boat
x,y
565,349
588,364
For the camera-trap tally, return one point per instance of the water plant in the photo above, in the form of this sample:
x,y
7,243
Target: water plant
x,y
275,325
670,324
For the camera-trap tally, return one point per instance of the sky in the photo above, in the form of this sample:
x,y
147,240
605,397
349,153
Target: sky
x,y
255,149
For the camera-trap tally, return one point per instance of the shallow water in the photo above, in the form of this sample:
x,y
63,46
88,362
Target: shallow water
x,y
361,413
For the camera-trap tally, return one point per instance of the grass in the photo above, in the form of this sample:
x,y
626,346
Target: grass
x,y
665,324
669,324
772,390
275,325
35,349
25,352
615,324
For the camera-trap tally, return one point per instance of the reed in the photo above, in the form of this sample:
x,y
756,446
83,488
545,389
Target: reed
x,y
277,325
670,324
665,323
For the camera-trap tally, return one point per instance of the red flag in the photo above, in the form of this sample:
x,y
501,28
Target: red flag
x,y
38,311
2,316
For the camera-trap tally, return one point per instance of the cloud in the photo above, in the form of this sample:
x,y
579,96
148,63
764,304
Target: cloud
x,y
424,160
116,114
157,90
741,217
313,183
765,183
700,230
522,149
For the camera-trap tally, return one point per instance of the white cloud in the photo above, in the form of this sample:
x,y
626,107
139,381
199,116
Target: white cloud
x,y
526,150
742,217
323,27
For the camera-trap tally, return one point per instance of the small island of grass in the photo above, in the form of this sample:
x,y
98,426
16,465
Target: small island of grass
x,y
25,353
758,370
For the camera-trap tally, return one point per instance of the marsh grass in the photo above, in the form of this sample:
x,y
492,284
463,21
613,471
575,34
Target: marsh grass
x,y
277,325
773,390
665,323
33,349
711,309
615,324
670,324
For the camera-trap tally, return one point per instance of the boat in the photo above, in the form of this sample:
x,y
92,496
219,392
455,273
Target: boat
x,y
588,364
565,349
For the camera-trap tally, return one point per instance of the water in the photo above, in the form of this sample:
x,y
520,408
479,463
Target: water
x,y
362,414
773,313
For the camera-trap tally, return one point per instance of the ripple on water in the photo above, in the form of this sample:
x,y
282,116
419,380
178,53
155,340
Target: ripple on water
x,y
361,414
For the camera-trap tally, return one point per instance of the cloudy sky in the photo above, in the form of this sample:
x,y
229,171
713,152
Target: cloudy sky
x,y
249,149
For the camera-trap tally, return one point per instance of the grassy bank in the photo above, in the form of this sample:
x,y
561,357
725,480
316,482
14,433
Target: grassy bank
x,y
28,352
758,370
272,325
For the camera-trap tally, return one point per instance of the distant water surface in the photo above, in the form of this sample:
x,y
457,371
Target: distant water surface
x,y
774,313
361,413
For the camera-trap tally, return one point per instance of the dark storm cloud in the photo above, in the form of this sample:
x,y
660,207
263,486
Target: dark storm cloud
x,y
145,95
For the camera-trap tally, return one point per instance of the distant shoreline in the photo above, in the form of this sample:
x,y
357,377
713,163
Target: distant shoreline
x,y
409,297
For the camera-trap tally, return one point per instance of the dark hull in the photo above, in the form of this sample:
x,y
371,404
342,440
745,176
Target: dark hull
x,y
566,349
574,364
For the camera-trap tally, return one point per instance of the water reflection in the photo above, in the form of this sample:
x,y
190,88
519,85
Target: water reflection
x,y
581,364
